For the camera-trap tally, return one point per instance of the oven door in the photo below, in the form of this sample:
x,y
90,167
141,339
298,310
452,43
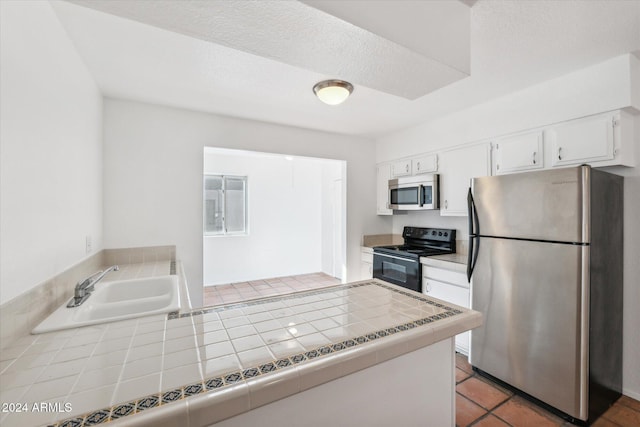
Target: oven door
x,y
400,271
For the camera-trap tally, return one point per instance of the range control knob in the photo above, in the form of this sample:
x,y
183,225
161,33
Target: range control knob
x,y
439,233
446,234
433,232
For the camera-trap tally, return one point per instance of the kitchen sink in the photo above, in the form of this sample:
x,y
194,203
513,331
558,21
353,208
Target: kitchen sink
x,y
117,300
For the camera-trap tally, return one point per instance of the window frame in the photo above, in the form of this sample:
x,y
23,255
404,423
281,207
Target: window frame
x,y
224,232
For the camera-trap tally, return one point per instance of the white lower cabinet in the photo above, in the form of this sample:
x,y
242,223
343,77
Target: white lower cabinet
x,y
366,264
450,286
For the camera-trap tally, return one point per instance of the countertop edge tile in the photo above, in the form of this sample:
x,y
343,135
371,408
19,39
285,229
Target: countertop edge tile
x,y
209,408
168,415
203,404
277,385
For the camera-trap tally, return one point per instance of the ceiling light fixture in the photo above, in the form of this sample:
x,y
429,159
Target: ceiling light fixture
x,y
333,92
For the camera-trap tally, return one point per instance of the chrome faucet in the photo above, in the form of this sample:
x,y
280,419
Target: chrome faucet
x,y
85,287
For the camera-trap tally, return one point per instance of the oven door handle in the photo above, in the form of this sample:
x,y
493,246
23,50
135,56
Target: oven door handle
x,y
396,257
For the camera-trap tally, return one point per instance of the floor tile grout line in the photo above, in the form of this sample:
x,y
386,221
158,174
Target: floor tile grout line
x,y
487,415
542,412
498,406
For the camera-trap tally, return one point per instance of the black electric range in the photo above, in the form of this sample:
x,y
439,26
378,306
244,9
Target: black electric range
x,y
400,264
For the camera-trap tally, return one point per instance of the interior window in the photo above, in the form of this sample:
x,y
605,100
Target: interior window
x,y
225,205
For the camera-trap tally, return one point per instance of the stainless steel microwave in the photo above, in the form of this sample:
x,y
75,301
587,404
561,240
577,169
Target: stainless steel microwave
x,y
414,193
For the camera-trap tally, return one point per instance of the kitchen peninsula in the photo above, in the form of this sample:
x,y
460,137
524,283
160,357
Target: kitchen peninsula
x,y
363,353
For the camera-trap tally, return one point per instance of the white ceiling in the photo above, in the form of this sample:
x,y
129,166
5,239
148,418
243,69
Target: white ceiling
x,y
254,59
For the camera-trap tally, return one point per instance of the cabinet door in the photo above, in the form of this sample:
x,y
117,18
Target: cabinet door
x,y
519,153
366,270
454,295
457,168
401,168
446,292
582,141
383,174
366,264
445,275
425,164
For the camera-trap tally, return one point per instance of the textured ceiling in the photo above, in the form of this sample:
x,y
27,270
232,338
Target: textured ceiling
x,y
514,44
293,33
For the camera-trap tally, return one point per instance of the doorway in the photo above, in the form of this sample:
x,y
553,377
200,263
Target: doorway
x,y
295,220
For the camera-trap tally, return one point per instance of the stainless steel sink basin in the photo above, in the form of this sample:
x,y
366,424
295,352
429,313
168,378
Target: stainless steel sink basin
x,y
117,300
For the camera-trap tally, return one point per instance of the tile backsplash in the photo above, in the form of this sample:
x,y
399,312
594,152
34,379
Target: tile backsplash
x,y
139,255
21,314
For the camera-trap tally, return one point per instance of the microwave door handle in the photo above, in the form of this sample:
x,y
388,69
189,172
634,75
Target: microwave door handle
x,y
420,195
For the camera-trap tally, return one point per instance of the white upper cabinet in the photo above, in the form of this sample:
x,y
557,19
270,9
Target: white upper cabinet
x,y
383,175
401,168
519,153
605,139
583,141
425,164
456,169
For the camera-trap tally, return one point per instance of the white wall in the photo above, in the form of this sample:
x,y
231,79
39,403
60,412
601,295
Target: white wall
x,y
153,176
286,207
611,85
602,87
333,218
50,150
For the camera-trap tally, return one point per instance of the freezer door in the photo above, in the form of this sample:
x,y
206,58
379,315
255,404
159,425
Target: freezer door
x,y
548,205
534,299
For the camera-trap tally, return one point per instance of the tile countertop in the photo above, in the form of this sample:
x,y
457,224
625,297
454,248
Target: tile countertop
x,y
455,262
210,364
369,241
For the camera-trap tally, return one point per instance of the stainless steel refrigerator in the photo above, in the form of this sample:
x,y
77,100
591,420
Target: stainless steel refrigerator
x,y
545,265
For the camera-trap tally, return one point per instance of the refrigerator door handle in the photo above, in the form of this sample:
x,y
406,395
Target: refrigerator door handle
x,y
474,230
470,258
473,257
472,208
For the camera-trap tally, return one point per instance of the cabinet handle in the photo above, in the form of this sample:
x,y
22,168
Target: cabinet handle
x,y
427,287
418,165
534,157
407,167
446,204
559,153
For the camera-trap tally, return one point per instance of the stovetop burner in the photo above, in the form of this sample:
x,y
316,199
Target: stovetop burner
x,y
411,250
420,242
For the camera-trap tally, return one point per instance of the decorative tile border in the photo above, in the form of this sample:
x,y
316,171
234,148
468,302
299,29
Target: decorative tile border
x,y
214,383
295,295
